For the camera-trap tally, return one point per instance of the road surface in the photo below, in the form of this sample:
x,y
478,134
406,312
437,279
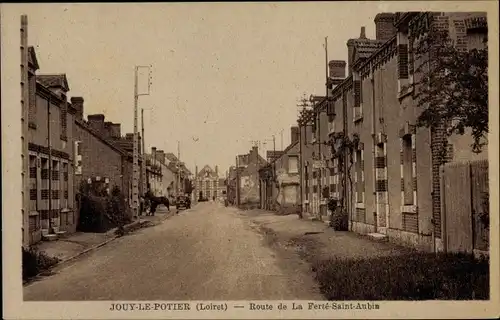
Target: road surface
x,y
209,252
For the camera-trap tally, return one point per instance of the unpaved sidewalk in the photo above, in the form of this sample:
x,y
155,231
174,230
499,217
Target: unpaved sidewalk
x,y
79,242
315,240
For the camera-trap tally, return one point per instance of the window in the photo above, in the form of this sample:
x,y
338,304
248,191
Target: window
x,y
358,98
360,186
33,183
55,170
66,185
407,166
293,164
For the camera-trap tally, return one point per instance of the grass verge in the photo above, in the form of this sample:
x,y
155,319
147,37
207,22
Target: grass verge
x,y
416,276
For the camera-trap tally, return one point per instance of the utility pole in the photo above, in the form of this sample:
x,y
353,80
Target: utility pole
x,y
302,124
282,139
274,156
178,167
143,171
135,155
237,183
25,129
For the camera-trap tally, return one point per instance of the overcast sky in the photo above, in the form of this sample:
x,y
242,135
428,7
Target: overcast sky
x,y
223,74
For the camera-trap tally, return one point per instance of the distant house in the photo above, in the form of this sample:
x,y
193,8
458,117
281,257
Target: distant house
x,y
160,174
207,183
248,191
280,179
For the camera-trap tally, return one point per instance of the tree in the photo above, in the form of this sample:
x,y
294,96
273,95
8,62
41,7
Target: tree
x,y
453,87
188,186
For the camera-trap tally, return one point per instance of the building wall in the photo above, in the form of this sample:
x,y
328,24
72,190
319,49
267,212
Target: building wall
x,y
98,159
43,101
390,168
249,190
287,195
306,166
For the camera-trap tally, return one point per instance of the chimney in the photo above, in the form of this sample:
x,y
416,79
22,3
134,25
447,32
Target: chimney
x,y
350,50
362,34
153,155
384,26
217,170
337,70
77,103
294,131
129,136
96,122
115,130
254,157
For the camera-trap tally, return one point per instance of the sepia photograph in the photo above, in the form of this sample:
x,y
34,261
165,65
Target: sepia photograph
x,y
250,160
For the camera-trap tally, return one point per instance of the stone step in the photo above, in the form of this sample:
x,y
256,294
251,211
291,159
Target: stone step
x,y
50,237
378,236
60,234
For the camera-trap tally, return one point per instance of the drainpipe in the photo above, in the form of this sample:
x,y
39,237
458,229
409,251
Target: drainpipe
x,y
374,169
300,172
51,229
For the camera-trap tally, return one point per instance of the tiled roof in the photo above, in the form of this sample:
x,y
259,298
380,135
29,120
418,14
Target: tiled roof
x,y
170,156
206,169
171,166
53,80
365,47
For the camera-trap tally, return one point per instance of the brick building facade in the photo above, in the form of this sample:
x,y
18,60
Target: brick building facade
x,y
102,153
394,185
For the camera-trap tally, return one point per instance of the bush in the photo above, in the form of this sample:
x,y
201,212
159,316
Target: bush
x,y
117,208
35,261
417,276
338,220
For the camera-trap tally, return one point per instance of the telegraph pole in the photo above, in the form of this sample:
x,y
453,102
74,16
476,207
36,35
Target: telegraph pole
x,y
282,139
302,124
135,155
25,129
143,171
178,167
274,156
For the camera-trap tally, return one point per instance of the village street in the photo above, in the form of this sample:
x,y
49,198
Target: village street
x,y
209,252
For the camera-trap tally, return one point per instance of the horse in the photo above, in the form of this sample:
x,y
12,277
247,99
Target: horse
x,y
156,201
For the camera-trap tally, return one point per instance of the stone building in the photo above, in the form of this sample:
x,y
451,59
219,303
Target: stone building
x,y
207,183
280,179
248,192
161,177
50,139
393,185
182,173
